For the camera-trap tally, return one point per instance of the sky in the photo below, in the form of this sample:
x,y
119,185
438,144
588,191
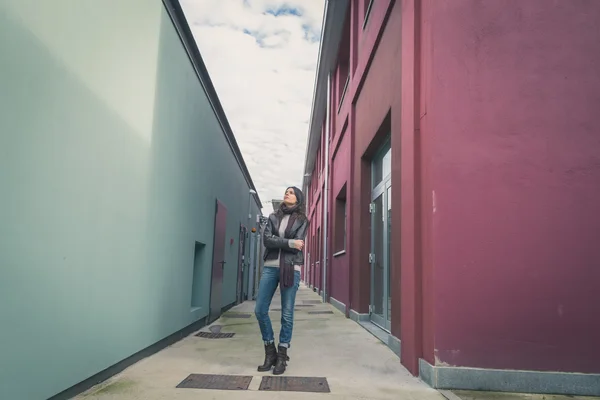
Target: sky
x,y
262,56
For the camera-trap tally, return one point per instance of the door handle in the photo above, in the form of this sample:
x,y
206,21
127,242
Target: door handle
x,y
222,263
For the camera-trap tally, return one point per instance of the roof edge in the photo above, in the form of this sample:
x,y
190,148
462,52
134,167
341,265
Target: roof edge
x,y
334,17
175,11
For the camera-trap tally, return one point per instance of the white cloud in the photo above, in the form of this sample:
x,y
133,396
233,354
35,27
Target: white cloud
x,y
261,56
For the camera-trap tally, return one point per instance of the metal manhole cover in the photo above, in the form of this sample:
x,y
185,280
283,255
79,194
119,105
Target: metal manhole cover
x,y
237,315
320,312
216,382
294,384
311,301
213,335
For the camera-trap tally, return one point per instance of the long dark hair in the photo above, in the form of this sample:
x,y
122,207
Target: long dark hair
x,y
299,209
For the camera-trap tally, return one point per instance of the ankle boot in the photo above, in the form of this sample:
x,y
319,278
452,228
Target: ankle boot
x,y
270,358
282,359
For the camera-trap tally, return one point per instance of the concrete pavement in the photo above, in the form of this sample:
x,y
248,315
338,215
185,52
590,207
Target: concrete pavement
x,y
356,364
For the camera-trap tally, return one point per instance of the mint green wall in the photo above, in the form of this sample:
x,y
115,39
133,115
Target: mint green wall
x,y
110,162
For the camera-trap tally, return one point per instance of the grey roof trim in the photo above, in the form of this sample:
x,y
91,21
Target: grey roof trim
x,y
177,16
333,23
276,203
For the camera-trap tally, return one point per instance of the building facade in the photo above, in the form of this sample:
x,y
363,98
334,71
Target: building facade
x,y
116,238
480,118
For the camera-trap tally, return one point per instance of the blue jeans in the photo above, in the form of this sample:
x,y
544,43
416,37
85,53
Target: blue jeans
x,y
266,290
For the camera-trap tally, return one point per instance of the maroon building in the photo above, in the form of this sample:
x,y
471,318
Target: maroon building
x,y
483,117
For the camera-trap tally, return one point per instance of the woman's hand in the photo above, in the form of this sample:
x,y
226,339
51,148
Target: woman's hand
x,y
298,244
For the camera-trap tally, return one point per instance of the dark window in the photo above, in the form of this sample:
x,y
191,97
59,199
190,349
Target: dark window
x,y
368,4
343,67
340,221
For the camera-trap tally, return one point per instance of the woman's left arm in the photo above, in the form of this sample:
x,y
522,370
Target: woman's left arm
x,y
300,235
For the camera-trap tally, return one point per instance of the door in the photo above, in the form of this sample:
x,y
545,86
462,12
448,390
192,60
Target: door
x,y
318,274
251,266
218,264
380,208
241,261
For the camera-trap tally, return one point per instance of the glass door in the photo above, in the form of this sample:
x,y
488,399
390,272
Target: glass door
x,y
377,259
388,234
380,208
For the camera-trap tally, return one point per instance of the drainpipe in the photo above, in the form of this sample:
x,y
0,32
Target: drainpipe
x,y
308,243
250,264
326,189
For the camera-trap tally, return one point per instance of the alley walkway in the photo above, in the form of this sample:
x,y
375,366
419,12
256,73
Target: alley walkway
x,y
356,365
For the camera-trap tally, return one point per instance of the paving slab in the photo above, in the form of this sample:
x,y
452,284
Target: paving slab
x,y
355,363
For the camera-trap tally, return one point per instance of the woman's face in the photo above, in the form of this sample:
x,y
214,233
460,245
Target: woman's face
x,y
290,197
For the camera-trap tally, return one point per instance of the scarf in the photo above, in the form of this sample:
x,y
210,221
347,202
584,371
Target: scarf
x,y
287,270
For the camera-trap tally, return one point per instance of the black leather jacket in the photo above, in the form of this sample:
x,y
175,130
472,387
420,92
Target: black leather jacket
x,y
274,243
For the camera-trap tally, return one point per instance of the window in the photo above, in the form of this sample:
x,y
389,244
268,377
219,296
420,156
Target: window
x,y
367,6
318,161
343,94
340,222
319,245
382,165
343,65
323,153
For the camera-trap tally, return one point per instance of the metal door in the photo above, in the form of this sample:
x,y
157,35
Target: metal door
x,y
379,257
218,263
251,266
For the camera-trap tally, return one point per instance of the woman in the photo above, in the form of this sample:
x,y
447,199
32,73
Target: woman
x,y
284,240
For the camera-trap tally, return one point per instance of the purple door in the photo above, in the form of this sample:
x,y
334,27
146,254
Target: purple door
x,y
218,264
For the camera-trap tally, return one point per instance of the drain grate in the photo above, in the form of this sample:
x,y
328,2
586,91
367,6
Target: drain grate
x,y
215,335
237,315
311,301
279,309
320,312
294,384
216,382
305,305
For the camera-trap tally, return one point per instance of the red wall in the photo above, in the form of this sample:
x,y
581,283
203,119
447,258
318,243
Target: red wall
x,y
512,111
496,176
